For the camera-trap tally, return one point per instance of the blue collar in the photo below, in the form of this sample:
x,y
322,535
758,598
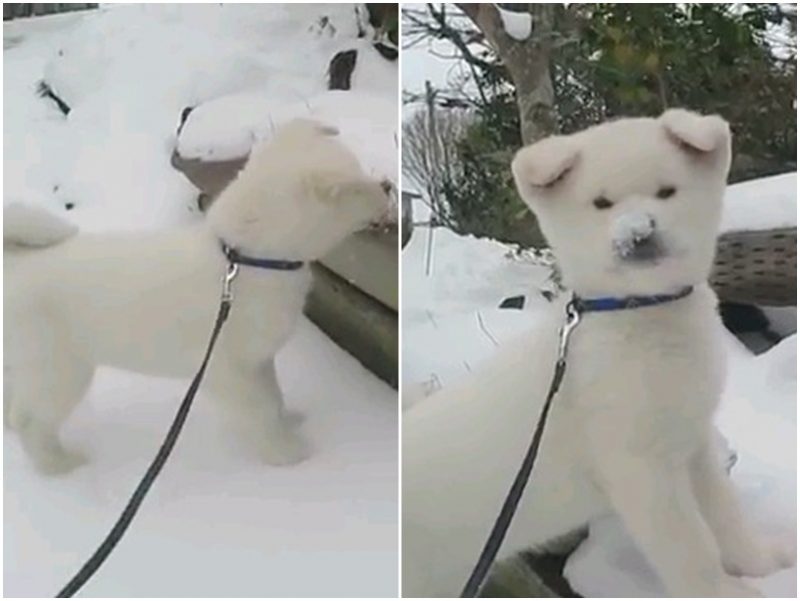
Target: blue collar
x,y
278,264
609,303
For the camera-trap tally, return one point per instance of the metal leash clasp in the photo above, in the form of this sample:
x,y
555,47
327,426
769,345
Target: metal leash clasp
x,y
573,318
227,281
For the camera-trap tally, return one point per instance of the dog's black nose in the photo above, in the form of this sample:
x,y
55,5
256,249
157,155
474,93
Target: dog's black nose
x,y
646,249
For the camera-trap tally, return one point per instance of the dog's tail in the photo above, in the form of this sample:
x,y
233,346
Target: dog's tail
x,y
31,226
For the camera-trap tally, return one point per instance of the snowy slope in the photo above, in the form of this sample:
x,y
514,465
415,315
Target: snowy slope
x,y
218,523
451,323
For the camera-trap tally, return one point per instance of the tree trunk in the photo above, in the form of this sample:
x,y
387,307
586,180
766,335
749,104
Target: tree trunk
x,y
528,63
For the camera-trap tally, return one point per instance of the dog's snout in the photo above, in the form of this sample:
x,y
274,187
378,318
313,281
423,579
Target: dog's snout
x,y
645,233
634,236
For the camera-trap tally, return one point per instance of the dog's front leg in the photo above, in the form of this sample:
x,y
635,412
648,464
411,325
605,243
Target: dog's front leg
x,y
654,499
255,398
744,553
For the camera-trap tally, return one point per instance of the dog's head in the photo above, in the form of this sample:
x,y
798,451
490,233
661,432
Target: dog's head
x,y
301,192
630,206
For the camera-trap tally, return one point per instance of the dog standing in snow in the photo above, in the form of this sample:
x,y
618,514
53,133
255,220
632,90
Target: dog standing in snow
x,y
631,208
146,302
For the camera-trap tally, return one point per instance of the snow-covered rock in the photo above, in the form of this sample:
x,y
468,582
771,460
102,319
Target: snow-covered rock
x,y
228,127
761,204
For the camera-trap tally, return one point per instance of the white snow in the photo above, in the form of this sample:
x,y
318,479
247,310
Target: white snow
x,y
452,287
630,228
451,323
218,522
761,204
128,71
228,127
516,24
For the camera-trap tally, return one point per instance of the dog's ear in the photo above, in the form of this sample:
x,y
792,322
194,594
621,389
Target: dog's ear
x,y
544,164
696,134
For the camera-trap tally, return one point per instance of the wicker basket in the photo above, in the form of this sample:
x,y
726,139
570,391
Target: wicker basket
x,y
757,267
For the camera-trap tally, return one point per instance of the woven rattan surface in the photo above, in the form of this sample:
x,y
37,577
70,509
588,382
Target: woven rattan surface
x,y
757,267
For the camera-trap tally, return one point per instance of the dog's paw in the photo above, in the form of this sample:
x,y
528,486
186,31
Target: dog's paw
x,y
287,447
760,559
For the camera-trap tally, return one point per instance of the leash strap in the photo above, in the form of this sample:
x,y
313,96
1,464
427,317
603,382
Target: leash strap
x,y
503,521
125,519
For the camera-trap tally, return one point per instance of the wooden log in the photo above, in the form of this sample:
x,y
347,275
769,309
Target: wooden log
x,y
367,329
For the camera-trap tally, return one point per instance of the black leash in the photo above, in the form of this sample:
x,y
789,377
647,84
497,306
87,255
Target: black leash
x,y
124,520
503,521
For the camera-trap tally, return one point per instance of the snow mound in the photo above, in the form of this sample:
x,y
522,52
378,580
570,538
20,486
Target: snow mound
x,y
761,204
516,24
228,127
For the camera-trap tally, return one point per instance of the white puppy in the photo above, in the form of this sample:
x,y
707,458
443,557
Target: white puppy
x,y
630,207
147,301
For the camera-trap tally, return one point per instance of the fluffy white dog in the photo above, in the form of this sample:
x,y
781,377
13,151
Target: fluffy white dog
x,y
631,207
147,301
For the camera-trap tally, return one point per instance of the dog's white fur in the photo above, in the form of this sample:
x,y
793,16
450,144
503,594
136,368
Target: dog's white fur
x,y
147,301
631,430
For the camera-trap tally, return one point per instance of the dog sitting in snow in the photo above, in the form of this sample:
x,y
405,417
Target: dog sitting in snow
x,y
631,208
146,302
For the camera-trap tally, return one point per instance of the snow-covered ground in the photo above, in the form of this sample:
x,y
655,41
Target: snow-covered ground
x,y
452,288
218,522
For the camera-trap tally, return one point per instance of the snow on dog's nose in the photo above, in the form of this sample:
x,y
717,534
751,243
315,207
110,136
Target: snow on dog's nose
x,y
634,237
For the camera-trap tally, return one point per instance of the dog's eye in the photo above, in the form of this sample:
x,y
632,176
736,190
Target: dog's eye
x,y
665,192
601,202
